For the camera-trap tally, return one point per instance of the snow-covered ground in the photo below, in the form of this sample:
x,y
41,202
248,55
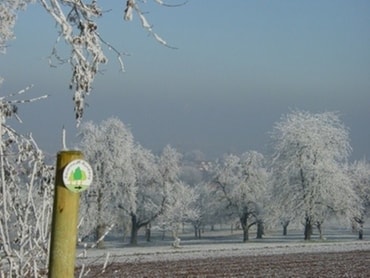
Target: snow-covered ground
x,y
223,245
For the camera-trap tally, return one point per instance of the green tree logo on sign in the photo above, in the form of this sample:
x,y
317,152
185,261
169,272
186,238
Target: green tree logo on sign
x,y
77,176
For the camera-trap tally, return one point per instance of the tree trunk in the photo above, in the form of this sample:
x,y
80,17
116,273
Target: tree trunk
x,y
176,242
163,234
100,231
148,232
319,227
134,230
197,232
361,231
244,223
285,227
260,229
308,229
101,226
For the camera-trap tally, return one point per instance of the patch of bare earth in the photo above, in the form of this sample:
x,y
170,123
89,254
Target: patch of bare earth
x,y
338,264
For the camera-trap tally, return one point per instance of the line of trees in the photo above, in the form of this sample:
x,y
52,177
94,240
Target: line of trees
x,y
131,182
307,179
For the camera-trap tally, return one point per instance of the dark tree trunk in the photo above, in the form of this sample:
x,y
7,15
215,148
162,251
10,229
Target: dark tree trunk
x,y
319,227
285,227
134,230
163,234
244,224
361,231
360,234
308,229
260,229
197,232
148,232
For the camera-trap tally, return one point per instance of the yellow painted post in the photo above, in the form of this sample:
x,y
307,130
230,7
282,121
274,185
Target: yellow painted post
x,y
65,220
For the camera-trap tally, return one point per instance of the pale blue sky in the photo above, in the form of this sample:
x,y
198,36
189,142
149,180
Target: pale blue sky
x,y
239,66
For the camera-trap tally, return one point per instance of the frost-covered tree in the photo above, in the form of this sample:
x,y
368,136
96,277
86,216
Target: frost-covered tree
x,y
360,177
78,26
208,207
241,181
309,178
108,147
154,179
26,183
144,199
180,207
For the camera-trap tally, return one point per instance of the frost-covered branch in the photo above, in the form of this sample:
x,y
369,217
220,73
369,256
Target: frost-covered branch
x,y
25,199
8,18
78,27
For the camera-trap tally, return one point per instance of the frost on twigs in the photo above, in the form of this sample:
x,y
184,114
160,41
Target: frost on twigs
x,y
76,20
132,7
25,199
77,24
8,17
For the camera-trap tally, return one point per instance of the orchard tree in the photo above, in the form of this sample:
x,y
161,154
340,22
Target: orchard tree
x,y
148,197
144,198
180,207
241,181
360,177
108,147
310,182
208,207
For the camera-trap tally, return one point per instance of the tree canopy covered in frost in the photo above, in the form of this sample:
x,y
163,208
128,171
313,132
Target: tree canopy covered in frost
x,y
128,178
242,181
310,182
108,147
360,177
180,207
146,196
155,197
78,27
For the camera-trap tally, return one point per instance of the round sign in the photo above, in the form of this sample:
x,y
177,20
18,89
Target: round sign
x,y
77,175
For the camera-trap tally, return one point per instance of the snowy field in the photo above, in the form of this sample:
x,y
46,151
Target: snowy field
x,y
223,244
222,254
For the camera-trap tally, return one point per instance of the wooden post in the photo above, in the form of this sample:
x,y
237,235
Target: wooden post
x,y
65,220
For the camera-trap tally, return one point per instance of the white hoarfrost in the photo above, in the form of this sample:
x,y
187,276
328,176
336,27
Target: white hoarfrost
x,y
77,21
310,181
109,148
180,208
8,17
360,176
26,184
131,184
241,183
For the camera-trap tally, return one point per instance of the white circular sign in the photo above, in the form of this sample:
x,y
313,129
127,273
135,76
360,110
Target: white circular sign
x,y
78,175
